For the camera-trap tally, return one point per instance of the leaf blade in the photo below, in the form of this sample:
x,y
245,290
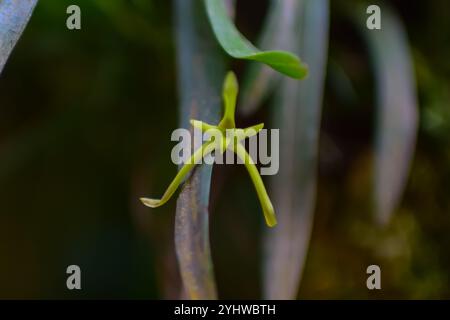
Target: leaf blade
x,y
298,108
237,46
397,114
14,16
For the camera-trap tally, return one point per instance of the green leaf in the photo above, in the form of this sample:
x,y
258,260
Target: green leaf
x,y
397,112
298,107
237,46
14,16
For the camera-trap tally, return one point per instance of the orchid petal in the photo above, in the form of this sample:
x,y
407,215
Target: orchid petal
x,y
203,126
253,130
266,204
204,150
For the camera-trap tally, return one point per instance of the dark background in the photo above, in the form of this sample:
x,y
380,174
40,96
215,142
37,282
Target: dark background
x,y
85,124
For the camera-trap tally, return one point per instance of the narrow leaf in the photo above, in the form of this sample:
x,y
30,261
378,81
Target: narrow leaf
x,y
200,71
397,112
14,16
298,111
237,46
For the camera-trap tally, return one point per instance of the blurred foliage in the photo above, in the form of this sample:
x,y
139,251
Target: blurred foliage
x,y
77,126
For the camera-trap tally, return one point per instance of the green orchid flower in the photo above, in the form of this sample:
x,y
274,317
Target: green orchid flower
x,y
223,136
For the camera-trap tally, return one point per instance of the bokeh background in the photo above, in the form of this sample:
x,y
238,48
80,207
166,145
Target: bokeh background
x,y
85,124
